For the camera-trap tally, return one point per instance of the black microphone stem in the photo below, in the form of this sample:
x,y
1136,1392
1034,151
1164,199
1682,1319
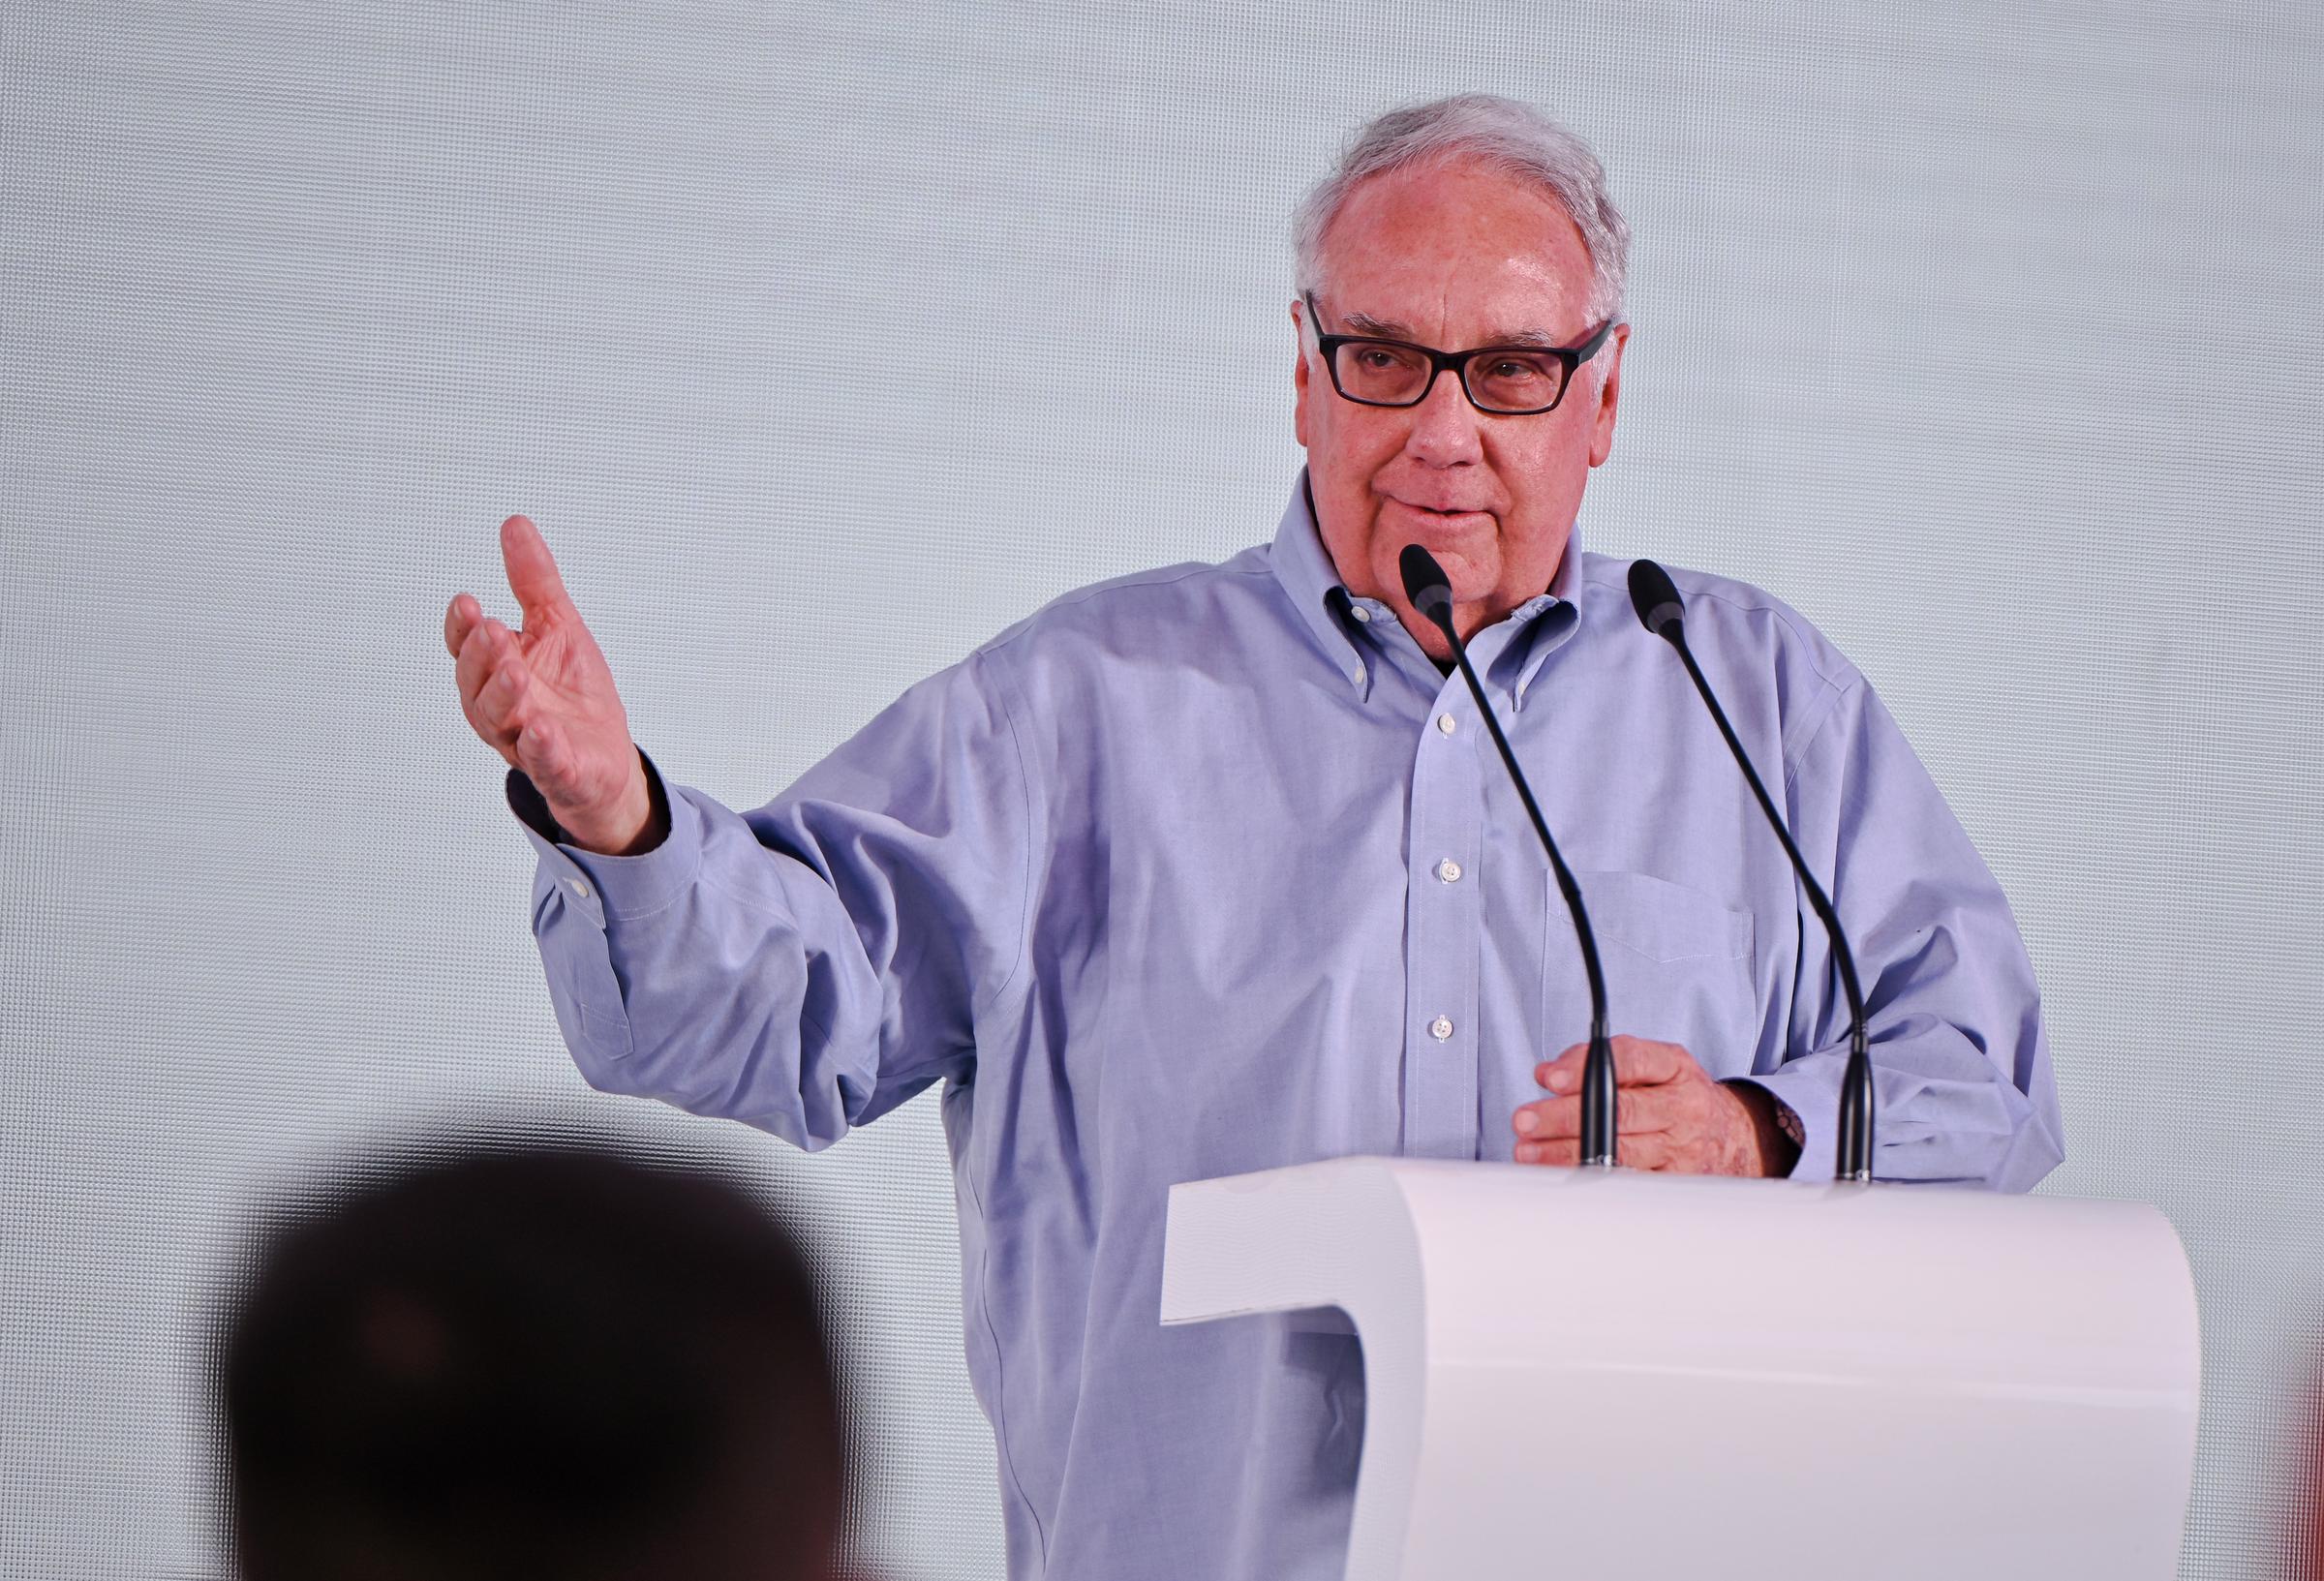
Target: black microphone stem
x,y
1598,1133
1855,1085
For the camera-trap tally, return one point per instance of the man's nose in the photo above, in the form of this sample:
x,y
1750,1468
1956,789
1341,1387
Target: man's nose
x,y
1446,430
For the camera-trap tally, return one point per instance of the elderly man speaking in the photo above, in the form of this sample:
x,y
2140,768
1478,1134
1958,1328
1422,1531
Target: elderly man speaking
x,y
1215,868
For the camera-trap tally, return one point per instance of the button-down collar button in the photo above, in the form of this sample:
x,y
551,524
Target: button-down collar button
x,y
1446,723
579,885
1363,614
1449,870
1441,1029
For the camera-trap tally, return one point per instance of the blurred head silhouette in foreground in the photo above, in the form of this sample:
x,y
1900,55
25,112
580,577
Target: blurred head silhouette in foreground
x,y
2313,1560
535,1363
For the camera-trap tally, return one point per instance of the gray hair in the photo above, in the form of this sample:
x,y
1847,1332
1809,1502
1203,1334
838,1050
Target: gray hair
x,y
1503,134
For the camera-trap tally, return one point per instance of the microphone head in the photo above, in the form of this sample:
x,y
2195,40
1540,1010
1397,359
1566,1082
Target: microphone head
x,y
1655,596
1425,583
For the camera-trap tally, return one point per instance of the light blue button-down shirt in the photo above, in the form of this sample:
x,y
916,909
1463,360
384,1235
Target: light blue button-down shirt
x,y
1211,869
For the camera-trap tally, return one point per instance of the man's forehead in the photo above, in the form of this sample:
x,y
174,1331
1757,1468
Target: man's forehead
x,y
1478,289
1435,248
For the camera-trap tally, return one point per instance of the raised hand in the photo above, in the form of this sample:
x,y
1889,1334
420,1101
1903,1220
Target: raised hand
x,y
544,699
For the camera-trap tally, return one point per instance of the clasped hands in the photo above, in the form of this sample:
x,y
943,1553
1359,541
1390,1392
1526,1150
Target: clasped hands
x,y
1669,1113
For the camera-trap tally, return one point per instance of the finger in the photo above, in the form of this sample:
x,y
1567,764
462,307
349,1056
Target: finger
x,y
1548,1117
476,669
544,753
1640,1109
1643,1152
532,570
480,653
505,699
1566,1065
1637,1062
1641,1062
459,620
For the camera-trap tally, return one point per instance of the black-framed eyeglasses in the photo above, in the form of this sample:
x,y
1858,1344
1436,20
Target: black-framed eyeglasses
x,y
1506,381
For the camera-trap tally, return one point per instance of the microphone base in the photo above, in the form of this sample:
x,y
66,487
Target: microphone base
x,y
1856,1122
1600,1127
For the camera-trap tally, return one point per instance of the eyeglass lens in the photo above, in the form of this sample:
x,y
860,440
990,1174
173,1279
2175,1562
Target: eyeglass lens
x,y
1390,375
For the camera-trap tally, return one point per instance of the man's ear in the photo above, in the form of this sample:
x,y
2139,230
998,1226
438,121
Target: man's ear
x,y
1610,395
1299,377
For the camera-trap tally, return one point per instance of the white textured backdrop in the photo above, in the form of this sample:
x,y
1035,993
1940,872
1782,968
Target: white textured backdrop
x,y
1985,333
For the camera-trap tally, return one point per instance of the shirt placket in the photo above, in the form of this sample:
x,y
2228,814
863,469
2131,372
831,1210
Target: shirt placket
x,y
1444,914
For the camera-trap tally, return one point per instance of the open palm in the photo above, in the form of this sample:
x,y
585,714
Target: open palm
x,y
543,698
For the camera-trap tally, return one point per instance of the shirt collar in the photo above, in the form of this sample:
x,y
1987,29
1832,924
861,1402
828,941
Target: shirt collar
x,y
1306,570
1308,575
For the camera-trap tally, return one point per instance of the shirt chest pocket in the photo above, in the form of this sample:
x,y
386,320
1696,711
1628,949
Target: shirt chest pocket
x,y
1679,969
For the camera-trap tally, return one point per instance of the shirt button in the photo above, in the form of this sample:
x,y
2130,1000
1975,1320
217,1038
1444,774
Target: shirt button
x,y
1363,614
1449,870
1446,723
1441,1029
579,885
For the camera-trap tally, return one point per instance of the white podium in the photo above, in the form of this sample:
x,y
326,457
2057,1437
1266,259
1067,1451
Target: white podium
x,y
1609,1375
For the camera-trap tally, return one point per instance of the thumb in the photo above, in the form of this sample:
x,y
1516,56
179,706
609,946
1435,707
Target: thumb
x,y
532,570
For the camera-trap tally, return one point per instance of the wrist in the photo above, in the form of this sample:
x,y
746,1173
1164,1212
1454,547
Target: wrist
x,y
1773,1146
639,821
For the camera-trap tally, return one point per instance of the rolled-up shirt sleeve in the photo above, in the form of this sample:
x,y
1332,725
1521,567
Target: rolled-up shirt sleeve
x,y
1961,1065
808,967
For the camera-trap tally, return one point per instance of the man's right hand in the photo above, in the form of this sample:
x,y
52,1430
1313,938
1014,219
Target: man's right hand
x,y
544,699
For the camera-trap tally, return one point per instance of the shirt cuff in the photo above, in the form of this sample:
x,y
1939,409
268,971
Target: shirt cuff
x,y
603,887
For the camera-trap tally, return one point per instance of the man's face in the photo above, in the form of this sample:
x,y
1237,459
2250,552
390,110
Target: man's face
x,y
1454,256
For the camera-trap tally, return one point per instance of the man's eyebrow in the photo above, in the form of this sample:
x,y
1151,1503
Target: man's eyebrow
x,y
1388,329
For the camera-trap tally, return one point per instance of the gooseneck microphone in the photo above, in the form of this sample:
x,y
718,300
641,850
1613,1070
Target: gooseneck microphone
x,y
1431,594
1660,611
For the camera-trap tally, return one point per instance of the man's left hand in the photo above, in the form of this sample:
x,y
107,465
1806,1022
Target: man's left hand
x,y
1670,1114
